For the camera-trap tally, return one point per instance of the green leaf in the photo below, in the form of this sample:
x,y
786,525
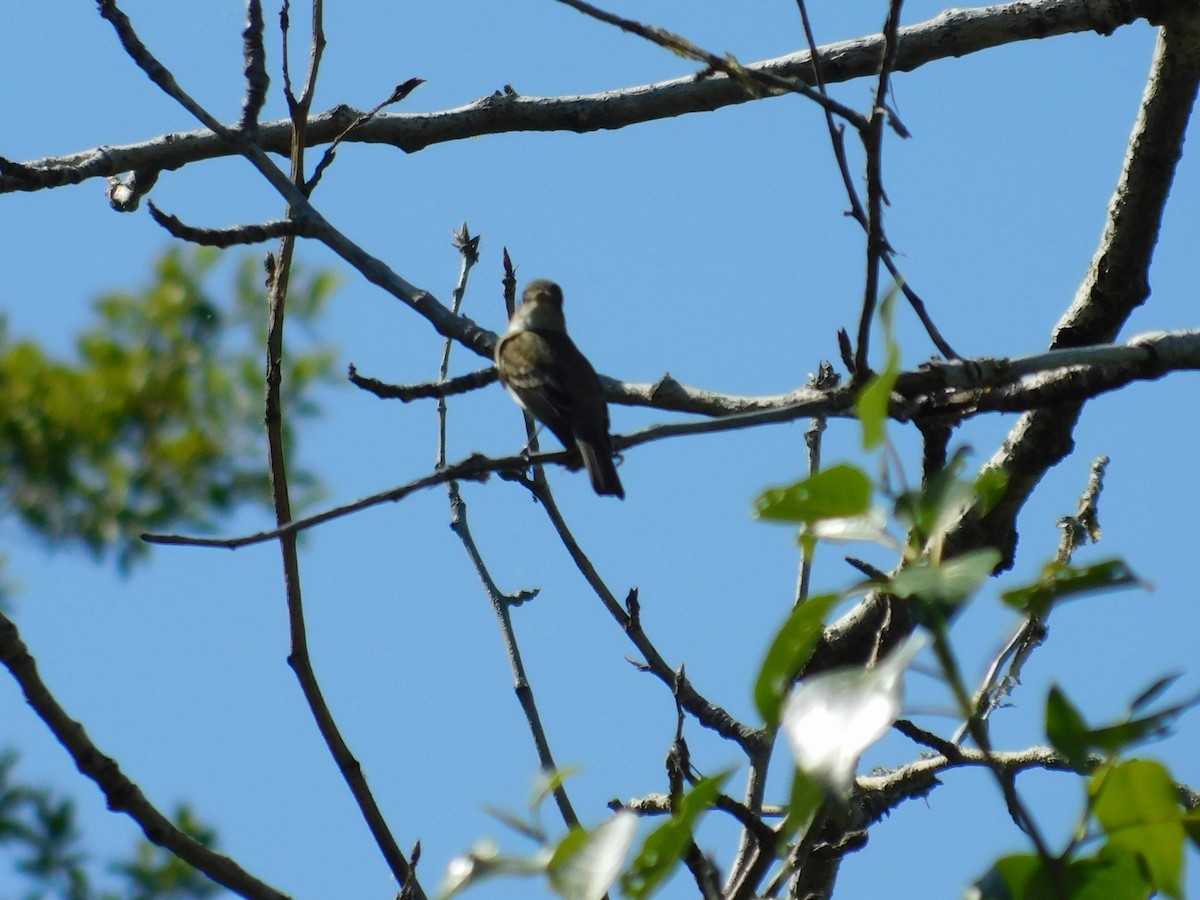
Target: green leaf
x,y
1070,735
548,782
1107,876
1138,807
585,865
790,650
1111,875
1152,693
806,798
990,487
666,844
946,584
837,492
873,401
1114,738
1060,581
1066,729
932,508
1009,878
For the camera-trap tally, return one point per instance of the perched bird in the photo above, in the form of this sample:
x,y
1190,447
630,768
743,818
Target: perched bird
x,y
545,372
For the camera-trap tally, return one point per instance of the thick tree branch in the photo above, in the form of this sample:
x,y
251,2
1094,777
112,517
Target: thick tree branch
x,y
954,33
1116,284
1117,281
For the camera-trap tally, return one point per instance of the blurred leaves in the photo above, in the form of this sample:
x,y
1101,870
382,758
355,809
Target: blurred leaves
x,y
831,718
157,423
1144,827
875,399
837,492
669,842
938,589
38,830
1071,736
1138,807
789,651
1062,581
586,864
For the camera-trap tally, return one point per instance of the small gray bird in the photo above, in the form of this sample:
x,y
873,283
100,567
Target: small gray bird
x,y
545,372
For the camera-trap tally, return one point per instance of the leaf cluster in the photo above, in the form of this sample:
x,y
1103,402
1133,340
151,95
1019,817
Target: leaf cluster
x,y
38,829
156,423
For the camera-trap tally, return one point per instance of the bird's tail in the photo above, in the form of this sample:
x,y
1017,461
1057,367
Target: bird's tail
x,y
601,470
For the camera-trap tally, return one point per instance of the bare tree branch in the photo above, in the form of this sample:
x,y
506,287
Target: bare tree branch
x,y
954,33
121,794
1114,287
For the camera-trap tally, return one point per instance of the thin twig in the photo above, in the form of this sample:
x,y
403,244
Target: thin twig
x,y
705,712
501,603
1031,633
872,140
837,139
756,81
299,658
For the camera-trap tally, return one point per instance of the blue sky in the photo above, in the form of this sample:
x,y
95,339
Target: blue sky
x,y
712,247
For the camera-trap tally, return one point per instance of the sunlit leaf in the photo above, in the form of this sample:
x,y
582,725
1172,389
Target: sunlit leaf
x,y
665,846
550,781
483,862
790,650
1137,805
836,492
831,718
586,864
870,527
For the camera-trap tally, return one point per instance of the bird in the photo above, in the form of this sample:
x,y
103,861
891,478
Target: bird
x,y
550,378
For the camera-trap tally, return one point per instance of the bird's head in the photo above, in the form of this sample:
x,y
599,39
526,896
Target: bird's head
x,y
541,308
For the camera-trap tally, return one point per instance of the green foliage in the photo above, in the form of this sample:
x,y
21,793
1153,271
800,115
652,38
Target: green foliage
x,y
1070,735
1062,581
1141,820
1130,836
1144,827
931,510
937,589
874,400
789,651
38,830
837,492
668,843
157,422
1138,807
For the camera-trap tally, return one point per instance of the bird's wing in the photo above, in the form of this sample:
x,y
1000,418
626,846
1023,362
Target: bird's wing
x,y
538,370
